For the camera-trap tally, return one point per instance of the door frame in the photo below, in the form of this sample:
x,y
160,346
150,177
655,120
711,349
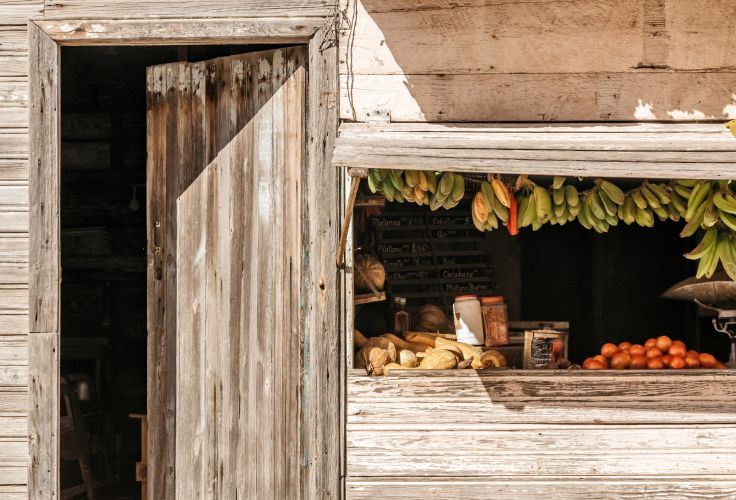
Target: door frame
x,y
320,310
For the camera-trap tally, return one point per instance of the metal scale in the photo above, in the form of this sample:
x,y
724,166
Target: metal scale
x,y
716,297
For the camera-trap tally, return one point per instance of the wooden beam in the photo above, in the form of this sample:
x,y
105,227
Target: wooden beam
x,y
706,151
101,9
185,31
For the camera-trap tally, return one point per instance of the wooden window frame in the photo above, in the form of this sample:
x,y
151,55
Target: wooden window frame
x,y
45,40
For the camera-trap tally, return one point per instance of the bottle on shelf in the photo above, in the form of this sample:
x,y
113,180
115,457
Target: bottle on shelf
x,y
402,318
495,321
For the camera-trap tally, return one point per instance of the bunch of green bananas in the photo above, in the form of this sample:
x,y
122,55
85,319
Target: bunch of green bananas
x,y
490,208
414,186
711,206
535,204
649,199
449,192
600,206
565,202
716,246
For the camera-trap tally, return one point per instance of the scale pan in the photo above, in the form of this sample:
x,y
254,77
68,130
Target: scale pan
x,y
717,291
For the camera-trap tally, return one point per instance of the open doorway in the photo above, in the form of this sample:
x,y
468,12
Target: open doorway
x,y
103,259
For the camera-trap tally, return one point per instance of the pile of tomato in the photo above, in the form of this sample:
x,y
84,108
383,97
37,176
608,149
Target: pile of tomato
x,y
655,354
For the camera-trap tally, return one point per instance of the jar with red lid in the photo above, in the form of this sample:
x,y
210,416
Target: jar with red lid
x,y
495,321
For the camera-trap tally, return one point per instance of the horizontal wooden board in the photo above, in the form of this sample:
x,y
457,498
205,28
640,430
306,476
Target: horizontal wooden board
x,y
14,474
13,322
13,272
450,38
13,143
13,452
13,402
14,221
603,488
665,95
13,169
13,65
13,194
615,150
13,375
95,9
484,401
197,31
17,12
13,39
543,450
13,492
13,300
14,425
13,116
13,91
13,350
517,387
13,248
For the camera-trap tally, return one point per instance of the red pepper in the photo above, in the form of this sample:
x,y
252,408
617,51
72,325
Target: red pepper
x,y
512,225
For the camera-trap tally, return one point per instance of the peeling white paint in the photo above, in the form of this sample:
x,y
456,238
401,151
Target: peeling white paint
x,y
67,28
678,114
729,110
644,111
97,28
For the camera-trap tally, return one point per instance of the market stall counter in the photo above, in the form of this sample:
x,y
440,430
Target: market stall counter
x,y
531,433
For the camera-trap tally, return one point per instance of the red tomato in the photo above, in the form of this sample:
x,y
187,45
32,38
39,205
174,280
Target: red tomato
x,y
707,360
609,349
655,364
692,362
602,359
654,352
594,364
664,343
677,350
677,362
621,361
637,350
638,362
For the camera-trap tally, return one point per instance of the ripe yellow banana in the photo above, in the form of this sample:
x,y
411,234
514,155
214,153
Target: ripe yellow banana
x,y
501,192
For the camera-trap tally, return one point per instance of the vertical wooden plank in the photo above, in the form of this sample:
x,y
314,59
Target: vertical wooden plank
x,y
320,408
43,415
44,182
191,212
44,266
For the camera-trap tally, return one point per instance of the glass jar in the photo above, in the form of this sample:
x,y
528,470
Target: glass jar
x,y
495,321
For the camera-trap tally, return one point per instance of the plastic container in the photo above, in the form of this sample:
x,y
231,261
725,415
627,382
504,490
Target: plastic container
x,y
495,321
468,319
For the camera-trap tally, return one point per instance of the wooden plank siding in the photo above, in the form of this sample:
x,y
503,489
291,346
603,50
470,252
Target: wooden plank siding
x,y
526,434
624,150
600,60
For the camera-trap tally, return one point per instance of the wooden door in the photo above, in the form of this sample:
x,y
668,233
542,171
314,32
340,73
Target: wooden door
x,y
225,152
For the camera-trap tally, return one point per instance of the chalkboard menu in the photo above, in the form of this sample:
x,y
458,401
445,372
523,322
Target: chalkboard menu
x,y
431,257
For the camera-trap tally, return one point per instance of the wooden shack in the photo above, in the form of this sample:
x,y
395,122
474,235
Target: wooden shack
x,y
170,207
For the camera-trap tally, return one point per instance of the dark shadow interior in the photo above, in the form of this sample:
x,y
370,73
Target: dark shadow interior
x,y
103,257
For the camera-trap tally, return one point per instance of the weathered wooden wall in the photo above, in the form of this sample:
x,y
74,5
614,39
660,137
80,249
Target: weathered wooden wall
x,y
14,73
481,60
523,435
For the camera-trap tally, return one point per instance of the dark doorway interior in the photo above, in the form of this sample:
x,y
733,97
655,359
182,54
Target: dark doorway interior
x,y
103,257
